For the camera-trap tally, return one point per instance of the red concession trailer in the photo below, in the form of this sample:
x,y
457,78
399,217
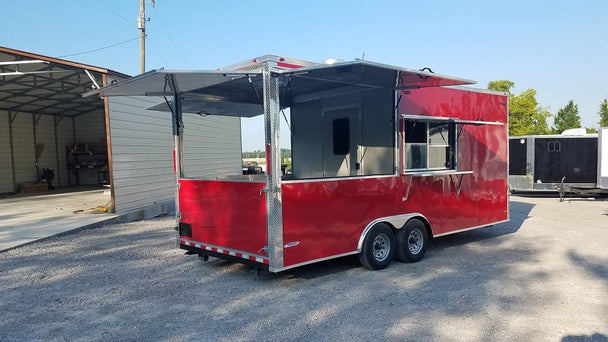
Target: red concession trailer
x,y
383,159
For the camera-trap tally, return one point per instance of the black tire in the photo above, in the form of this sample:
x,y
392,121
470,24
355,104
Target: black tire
x,y
412,241
378,247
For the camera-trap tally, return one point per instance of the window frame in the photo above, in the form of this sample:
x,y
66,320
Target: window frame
x,y
450,145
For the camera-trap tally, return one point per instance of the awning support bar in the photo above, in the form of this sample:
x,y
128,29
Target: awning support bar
x,y
92,78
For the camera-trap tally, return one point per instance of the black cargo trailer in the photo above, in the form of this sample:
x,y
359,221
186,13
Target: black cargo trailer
x,y
565,163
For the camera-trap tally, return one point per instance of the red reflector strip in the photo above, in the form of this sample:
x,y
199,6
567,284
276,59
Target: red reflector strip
x,y
288,65
226,251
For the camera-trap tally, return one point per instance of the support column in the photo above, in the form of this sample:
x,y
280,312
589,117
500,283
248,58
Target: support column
x,y
274,210
35,121
11,119
106,113
56,121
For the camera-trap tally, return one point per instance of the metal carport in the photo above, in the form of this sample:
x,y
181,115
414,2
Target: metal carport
x,y
47,124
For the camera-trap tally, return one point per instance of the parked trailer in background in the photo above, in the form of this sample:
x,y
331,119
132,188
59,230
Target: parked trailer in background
x,y
573,162
383,159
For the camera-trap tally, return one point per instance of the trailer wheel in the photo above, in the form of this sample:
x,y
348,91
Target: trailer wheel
x,y
412,241
378,247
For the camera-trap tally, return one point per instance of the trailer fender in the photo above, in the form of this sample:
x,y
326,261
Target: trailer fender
x,y
397,222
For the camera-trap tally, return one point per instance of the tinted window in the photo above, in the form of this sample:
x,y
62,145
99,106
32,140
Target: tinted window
x,y
415,132
341,136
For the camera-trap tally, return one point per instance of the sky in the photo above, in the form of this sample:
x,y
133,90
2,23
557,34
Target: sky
x,y
559,48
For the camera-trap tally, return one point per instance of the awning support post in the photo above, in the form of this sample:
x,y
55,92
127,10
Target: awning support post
x,y
178,136
274,212
178,132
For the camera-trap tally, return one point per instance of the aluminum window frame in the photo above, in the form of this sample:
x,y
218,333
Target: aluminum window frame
x,y
428,146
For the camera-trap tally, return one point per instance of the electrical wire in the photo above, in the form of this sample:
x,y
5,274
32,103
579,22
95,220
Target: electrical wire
x,y
99,49
113,11
157,52
170,38
147,37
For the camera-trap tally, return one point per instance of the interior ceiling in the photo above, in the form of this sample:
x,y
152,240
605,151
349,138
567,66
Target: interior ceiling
x,y
38,84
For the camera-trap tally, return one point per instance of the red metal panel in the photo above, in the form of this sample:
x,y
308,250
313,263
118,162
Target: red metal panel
x,y
482,149
226,214
435,197
326,218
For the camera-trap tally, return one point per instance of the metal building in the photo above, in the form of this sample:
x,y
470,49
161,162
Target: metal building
x,y
45,123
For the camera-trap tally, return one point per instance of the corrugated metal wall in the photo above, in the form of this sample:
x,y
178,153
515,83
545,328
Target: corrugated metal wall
x,y
52,155
65,137
45,137
23,144
212,146
142,151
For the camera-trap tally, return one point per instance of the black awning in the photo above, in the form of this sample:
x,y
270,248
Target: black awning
x,y
239,93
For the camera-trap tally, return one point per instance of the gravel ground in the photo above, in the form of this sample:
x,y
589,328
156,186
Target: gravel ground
x,y
541,277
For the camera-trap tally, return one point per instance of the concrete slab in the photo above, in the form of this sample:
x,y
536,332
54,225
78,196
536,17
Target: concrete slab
x,y
24,219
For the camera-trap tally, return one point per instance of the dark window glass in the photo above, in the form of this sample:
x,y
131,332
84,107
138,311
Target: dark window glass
x,y
341,135
415,132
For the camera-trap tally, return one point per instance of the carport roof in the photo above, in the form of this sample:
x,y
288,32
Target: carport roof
x,y
40,84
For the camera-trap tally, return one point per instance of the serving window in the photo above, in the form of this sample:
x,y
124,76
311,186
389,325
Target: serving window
x,y
429,145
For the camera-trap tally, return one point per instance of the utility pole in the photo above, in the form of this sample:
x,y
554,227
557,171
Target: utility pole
x,y
141,25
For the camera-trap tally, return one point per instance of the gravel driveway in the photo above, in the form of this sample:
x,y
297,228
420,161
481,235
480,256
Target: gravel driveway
x,y
541,277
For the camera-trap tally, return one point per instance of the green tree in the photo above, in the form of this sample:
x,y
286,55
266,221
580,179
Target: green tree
x,y
604,113
567,118
526,116
501,85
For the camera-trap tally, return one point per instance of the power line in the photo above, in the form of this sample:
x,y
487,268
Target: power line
x,y
170,38
113,11
99,49
158,53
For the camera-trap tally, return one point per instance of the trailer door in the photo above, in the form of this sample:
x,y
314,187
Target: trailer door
x,y
341,140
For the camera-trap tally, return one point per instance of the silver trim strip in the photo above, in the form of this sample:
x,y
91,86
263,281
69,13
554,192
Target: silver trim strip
x,y
315,261
436,173
471,228
218,249
316,180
